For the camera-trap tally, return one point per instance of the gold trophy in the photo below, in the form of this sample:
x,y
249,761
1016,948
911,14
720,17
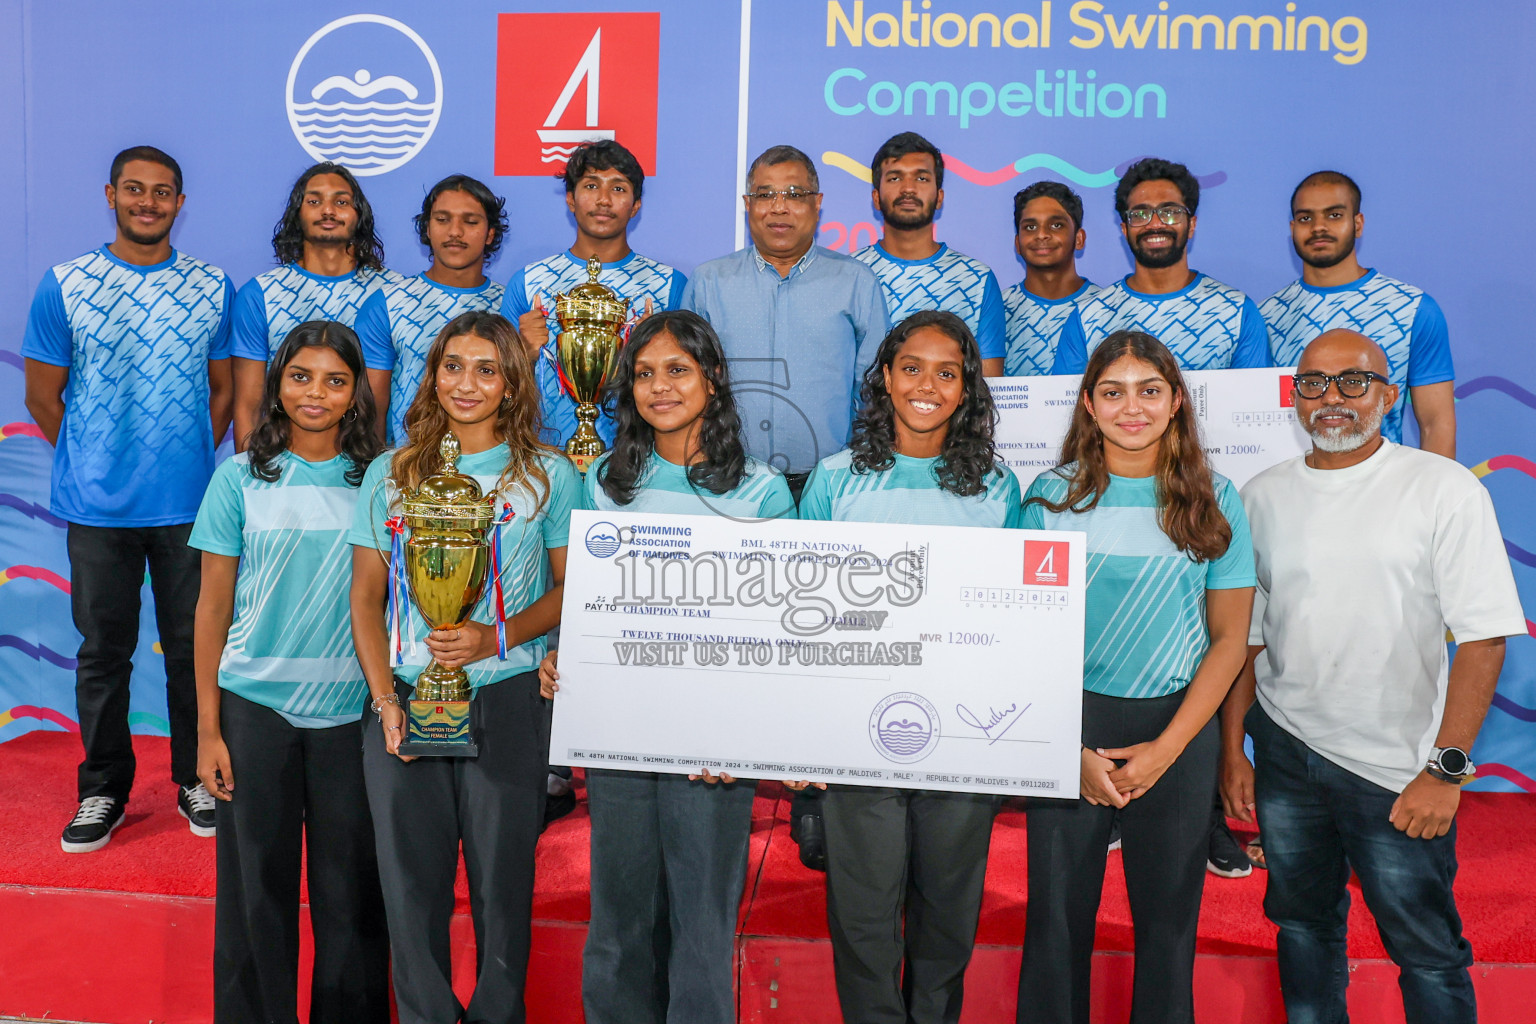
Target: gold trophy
x,y
447,561
591,318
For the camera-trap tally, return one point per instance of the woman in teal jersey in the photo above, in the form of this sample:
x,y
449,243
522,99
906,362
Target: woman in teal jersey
x,y
281,697
922,453
479,385
669,852
1170,589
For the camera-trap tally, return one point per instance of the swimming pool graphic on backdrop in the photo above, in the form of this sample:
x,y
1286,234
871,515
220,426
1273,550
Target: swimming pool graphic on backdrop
x,y
366,92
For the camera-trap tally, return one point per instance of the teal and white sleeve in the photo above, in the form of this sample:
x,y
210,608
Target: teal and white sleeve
x,y
220,524
1234,569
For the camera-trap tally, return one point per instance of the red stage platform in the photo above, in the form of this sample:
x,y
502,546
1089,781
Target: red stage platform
x,y
125,934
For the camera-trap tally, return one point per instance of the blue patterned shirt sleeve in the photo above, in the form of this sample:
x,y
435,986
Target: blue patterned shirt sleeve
x,y
515,304
872,322
678,291
1072,347
248,335
1234,569
374,334
1252,339
220,524
992,337
1429,351
48,338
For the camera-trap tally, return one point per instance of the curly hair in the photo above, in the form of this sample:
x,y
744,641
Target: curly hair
x,y
1187,510
724,459
603,155
968,455
274,430
1069,200
517,417
1152,169
288,236
495,210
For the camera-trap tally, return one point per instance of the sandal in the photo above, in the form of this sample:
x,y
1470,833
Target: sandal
x,y
1255,852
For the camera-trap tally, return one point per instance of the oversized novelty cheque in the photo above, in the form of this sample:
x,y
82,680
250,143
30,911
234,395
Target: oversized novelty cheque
x,y
936,657
1247,422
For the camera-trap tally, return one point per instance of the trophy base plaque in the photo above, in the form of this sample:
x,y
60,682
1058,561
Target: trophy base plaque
x,y
438,728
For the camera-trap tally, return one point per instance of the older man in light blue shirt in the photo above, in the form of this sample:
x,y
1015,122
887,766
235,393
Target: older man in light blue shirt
x,y
800,323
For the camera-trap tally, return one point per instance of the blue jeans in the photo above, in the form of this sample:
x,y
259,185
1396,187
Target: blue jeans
x,y
1321,820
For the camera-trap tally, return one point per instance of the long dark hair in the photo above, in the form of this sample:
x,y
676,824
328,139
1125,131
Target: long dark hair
x,y
725,460
517,417
274,430
495,208
288,236
1187,510
968,454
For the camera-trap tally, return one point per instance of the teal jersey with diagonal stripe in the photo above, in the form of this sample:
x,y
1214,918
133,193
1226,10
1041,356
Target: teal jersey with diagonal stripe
x,y
290,644
540,519
665,487
908,492
1144,629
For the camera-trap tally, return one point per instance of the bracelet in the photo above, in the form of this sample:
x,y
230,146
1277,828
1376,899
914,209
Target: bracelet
x,y
1445,776
377,704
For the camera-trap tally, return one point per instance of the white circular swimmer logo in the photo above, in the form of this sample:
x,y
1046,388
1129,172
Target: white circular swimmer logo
x,y
603,539
904,727
365,92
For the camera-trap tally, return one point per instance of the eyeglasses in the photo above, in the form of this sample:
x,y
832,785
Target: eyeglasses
x,y
1169,215
793,196
1354,384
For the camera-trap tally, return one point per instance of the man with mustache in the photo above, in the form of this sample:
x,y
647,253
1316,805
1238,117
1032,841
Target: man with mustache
x,y
1336,291
462,223
603,186
127,369
330,262
1047,234
1206,324
917,272
1367,552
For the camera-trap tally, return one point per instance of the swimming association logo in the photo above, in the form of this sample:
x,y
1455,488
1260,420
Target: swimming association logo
x,y
602,540
366,92
1045,563
565,79
904,728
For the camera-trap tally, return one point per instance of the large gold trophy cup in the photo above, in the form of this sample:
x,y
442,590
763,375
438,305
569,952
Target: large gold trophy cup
x,y
447,561
592,317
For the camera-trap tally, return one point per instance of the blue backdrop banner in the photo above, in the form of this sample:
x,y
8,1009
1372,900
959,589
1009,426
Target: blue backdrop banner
x,y
1427,105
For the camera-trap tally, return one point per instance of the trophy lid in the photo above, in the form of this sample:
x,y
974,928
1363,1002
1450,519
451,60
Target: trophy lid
x,y
591,300
447,494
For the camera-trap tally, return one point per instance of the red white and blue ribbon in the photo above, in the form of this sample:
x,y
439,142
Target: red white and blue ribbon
x,y
396,526
507,514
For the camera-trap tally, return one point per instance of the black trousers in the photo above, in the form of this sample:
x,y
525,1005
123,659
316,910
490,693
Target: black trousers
x,y
494,805
905,872
296,787
106,572
1165,836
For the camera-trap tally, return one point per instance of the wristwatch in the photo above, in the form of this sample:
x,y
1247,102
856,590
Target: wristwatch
x,y
1450,764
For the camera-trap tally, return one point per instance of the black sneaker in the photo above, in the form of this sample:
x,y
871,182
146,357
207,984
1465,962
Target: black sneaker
x,y
1226,858
196,805
91,828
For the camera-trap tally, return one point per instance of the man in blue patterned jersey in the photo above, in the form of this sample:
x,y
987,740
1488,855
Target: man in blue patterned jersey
x,y
1336,292
603,187
1206,324
462,222
127,366
330,261
1048,233
917,272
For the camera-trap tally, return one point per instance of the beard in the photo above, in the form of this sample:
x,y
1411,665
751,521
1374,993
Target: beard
x,y
1322,261
315,237
1348,438
1157,259
132,232
907,220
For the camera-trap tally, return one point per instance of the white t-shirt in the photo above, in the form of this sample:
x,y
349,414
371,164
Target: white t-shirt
x,y
1361,572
